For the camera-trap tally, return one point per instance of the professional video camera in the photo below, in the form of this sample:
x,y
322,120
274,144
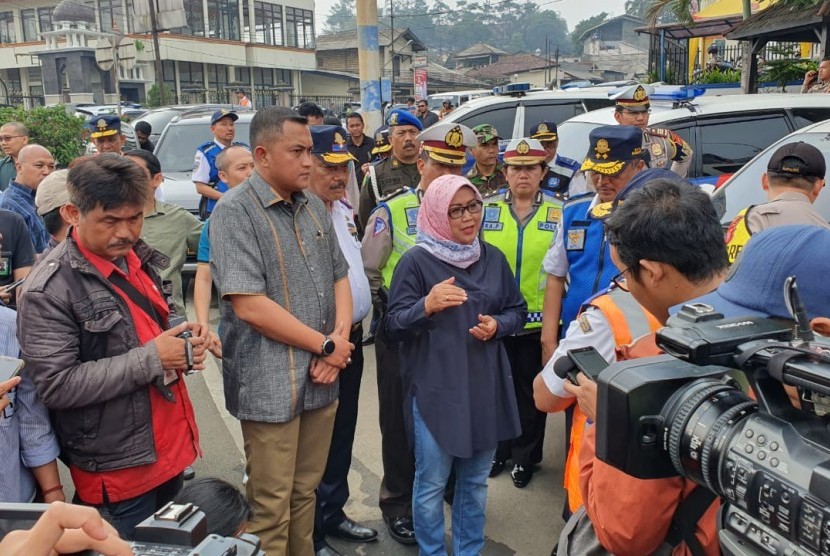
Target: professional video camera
x,y
686,414
174,530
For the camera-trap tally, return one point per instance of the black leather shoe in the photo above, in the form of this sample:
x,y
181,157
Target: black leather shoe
x,y
326,550
368,339
521,475
188,473
349,530
496,467
401,529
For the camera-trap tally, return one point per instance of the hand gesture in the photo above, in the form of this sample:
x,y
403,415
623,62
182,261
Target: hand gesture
x,y
171,349
323,373
444,295
485,329
342,355
586,395
6,387
810,76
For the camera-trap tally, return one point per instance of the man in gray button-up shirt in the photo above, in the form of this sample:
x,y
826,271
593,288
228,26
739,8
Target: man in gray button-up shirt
x,y
286,313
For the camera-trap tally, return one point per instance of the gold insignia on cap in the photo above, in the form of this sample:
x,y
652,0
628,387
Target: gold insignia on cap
x,y
454,137
543,128
637,151
339,138
379,138
640,93
224,111
101,124
602,149
393,119
523,148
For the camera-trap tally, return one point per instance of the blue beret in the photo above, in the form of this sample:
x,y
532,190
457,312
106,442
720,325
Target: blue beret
x,y
403,117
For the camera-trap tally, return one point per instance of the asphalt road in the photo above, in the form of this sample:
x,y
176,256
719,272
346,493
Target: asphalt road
x,y
519,521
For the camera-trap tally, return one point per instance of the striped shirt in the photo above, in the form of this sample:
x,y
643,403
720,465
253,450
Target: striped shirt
x,y
21,199
24,427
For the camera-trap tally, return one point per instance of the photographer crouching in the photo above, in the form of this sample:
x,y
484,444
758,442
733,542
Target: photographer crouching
x,y
93,326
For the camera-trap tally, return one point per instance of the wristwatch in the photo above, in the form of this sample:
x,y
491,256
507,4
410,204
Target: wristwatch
x,y
328,347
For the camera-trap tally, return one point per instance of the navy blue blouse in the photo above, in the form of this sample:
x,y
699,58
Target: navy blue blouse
x,y
463,387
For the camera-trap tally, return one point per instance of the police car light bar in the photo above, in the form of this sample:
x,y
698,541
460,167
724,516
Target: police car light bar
x,y
513,89
676,93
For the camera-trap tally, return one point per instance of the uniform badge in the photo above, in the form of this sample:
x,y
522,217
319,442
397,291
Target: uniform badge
x,y
339,138
656,149
602,149
639,93
554,213
553,183
575,240
601,211
492,214
101,124
380,226
523,148
393,119
412,220
454,137
584,324
543,128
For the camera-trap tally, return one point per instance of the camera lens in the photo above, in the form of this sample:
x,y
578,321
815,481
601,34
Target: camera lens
x,y
701,419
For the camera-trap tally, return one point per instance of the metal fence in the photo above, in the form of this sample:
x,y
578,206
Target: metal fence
x,y
17,98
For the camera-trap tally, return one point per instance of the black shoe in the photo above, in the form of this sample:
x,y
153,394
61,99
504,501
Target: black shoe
x,y
326,550
521,475
496,467
401,529
348,530
188,473
368,339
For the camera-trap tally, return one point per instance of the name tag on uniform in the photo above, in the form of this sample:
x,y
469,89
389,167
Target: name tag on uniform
x,y
547,226
412,220
575,240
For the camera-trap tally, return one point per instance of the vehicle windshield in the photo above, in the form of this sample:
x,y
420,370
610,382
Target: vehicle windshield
x,y
177,146
158,120
744,188
574,139
436,101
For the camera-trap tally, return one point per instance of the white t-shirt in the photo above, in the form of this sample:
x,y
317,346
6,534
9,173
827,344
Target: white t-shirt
x,y
342,217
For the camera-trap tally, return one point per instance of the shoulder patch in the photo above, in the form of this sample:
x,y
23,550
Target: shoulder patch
x,y
584,325
380,226
658,132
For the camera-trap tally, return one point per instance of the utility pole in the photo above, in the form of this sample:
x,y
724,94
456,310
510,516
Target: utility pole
x,y
159,68
556,55
369,62
392,52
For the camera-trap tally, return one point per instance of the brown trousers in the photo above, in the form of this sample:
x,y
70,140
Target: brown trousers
x,y
285,462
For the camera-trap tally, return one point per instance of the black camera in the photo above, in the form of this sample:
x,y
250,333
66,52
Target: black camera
x,y
690,413
174,530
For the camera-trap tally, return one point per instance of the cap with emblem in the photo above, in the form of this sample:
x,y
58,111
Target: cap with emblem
x,y
330,144
798,159
403,117
633,98
447,143
219,114
52,192
485,133
103,126
604,210
755,283
611,146
382,141
524,152
544,132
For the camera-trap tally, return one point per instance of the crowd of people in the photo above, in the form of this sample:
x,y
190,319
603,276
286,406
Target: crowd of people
x,y
477,283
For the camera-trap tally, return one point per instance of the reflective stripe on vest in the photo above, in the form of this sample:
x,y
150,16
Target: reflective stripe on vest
x,y
737,235
590,268
524,248
403,218
628,321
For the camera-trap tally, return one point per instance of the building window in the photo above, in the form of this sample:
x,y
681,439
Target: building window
x,y
195,19
300,27
7,35
191,75
268,23
111,14
29,21
223,19
217,76
44,18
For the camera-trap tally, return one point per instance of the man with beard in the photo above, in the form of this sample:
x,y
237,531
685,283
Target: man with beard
x,y
425,115
329,174
399,171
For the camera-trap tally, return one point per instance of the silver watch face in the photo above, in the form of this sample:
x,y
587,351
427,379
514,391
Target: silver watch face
x,y
328,346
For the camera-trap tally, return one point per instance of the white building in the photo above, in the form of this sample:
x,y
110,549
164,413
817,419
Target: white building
x,y
47,51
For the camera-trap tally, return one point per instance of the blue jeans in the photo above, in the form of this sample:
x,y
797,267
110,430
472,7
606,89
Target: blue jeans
x,y
432,467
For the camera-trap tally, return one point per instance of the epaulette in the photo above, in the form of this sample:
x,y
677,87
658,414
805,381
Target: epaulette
x,y
392,194
495,197
40,276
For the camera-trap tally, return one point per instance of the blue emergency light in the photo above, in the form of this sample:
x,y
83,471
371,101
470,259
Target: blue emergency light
x,y
676,93
513,89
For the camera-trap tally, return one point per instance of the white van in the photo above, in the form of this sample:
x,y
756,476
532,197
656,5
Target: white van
x,y
457,98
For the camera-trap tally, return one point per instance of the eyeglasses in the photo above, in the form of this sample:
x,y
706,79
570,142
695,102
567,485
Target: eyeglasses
x,y
473,207
619,280
7,138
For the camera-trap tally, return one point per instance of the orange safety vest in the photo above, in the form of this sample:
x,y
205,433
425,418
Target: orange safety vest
x,y
628,321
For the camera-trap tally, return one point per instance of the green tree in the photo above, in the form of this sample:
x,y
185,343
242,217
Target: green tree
x,y
154,98
583,26
341,17
53,127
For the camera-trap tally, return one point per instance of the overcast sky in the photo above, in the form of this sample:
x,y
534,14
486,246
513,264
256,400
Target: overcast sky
x,y
573,11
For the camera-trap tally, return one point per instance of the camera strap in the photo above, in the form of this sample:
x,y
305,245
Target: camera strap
x,y
685,520
136,297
